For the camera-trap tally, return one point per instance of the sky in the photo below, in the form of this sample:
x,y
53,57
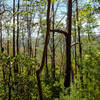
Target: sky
x,y
62,9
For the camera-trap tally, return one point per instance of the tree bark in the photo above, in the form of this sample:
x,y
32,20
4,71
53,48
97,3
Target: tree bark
x,y
75,43
8,42
38,71
18,27
53,44
68,45
13,28
23,38
9,85
29,19
79,37
29,36
15,67
1,33
46,64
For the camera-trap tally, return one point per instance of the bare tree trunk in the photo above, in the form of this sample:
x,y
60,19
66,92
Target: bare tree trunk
x,y
9,85
79,37
3,66
46,64
68,45
36,47
1,32
38,71
36,42
8,42
53,44
62,58
18,27
23,38
75,46
15,67
4,79
29,36
14,29
37,38
29,31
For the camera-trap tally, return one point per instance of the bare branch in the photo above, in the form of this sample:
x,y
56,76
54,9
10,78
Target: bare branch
x,y
59,31
60,20
4,12
74,44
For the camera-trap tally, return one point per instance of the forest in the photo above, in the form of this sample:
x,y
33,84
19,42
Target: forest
x,y
49,49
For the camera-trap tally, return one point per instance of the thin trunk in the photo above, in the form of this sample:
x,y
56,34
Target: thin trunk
x,y
17,42
38,71
23,38
15,67
46,61
29,36
75,47
46,64
36,47
14,29
79,37
1,33
36,43
28,30
9,85
4,79
89,28
8,42
18,27
53,44
68,45
62,59
2,49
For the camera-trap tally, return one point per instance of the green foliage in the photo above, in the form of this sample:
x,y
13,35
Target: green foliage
x,y
26,80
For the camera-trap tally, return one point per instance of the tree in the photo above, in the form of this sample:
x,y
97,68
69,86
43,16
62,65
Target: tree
x,y
38,71
18,27
14,30
53,43
1,32
68,45
78,27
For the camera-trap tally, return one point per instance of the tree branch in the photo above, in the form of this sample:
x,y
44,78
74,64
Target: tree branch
x,y
4,11
59,31
74,44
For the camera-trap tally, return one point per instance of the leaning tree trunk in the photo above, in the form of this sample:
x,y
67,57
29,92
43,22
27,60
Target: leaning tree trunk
x,y
38,71
68,45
